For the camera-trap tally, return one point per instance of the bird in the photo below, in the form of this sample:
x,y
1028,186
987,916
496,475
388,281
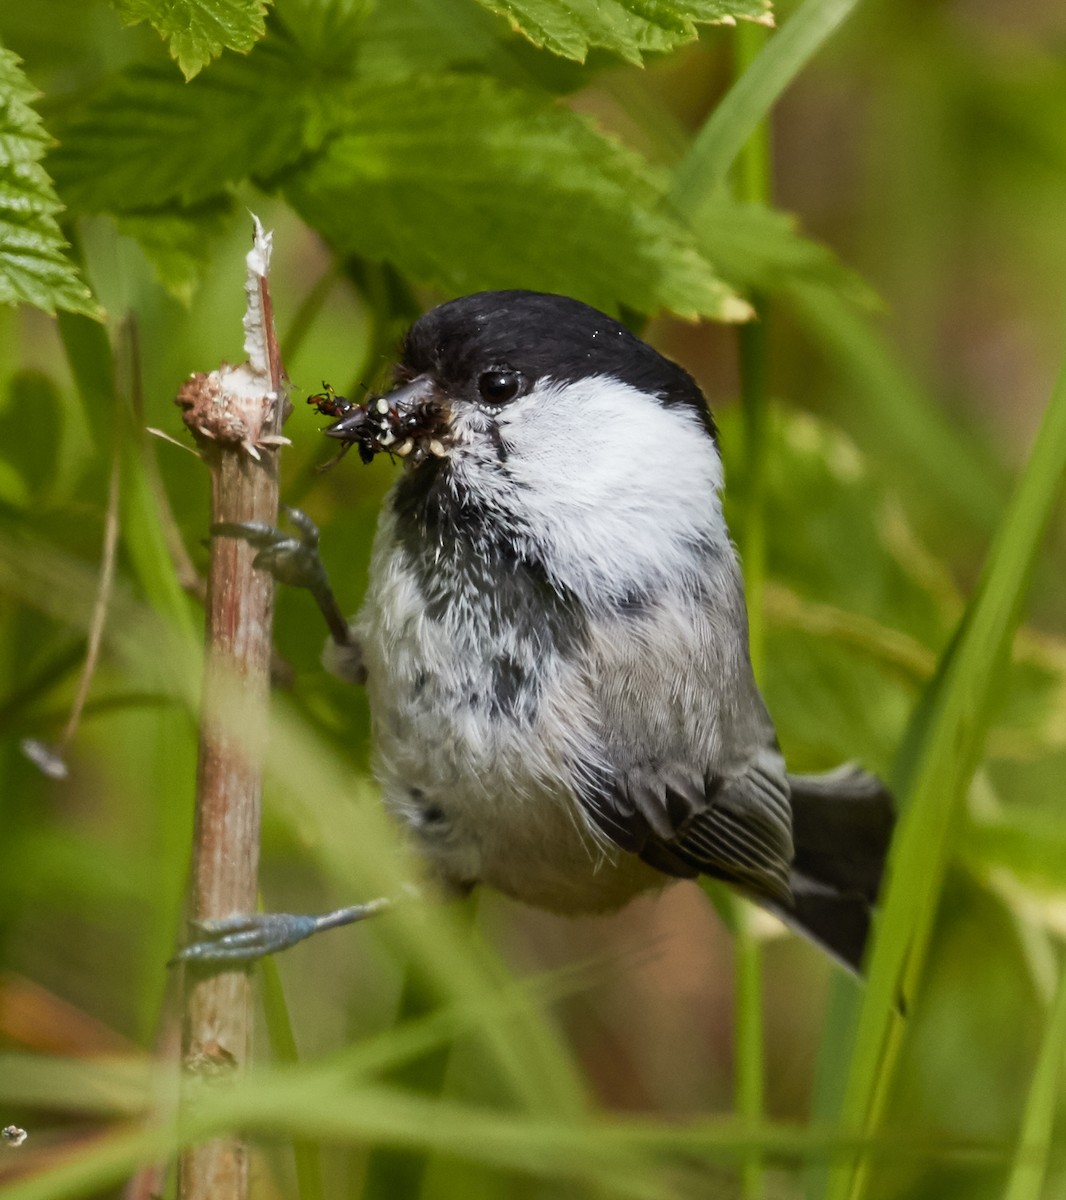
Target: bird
x,y
554,639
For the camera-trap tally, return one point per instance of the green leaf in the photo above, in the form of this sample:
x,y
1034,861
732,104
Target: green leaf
x,y
466,185
179,241
150,139
197,31
761,249
629,28
34,266
30,447
407,37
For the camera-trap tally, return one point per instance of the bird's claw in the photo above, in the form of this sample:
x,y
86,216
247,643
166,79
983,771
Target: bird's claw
x,y
244,937
293,560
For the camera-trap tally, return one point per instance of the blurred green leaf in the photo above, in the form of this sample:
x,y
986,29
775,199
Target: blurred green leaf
x,y
180,241
30,420
409,37
631,1157
853,549
760,248
629,28
73,871
306,1154
858,607
1029,844
34,265
196,31
148,139
1032,717
112,1087
854,613
467,185
898,415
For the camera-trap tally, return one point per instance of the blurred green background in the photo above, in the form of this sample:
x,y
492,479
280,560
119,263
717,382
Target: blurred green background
x,y
913,322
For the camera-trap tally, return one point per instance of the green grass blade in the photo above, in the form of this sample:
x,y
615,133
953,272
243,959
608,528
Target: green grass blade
x,y
1034,1142
831,1071
936,766
306,1154
750,99
393,1171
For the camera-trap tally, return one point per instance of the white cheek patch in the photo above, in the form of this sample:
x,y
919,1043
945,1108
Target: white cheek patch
x,y
614,485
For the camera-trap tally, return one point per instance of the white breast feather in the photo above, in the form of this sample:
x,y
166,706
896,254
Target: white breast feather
x,y
592,460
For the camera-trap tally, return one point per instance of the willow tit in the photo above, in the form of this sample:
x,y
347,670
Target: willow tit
x,y
554,639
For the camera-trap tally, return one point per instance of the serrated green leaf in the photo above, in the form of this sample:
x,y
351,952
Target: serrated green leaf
x,y
406,37
196,31
629,28
179,241
150,139
466,185
34,267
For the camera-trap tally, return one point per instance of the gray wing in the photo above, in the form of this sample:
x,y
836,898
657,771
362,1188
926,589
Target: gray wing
x,y
686,824
692,780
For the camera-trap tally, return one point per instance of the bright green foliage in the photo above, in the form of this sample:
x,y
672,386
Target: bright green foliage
x,y
575,211
150,139
196,31
629,28
34,266
405,37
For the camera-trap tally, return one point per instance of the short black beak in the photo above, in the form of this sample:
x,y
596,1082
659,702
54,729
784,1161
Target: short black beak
x,y
403,400
347,428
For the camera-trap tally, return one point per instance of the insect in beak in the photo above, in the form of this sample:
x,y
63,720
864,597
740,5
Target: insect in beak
x,y
409,422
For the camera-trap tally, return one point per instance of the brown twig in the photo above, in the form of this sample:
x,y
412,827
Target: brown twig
x,y
236,415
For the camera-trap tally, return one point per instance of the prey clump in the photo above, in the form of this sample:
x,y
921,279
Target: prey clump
x,y
380,425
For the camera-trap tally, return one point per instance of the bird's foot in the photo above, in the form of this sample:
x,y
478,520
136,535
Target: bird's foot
x,y
245,937
292,559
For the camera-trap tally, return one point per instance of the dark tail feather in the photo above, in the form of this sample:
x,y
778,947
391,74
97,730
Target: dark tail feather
x,y
841,824
838,923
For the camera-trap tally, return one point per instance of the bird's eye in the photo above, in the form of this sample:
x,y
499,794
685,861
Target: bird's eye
x,y
497,387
